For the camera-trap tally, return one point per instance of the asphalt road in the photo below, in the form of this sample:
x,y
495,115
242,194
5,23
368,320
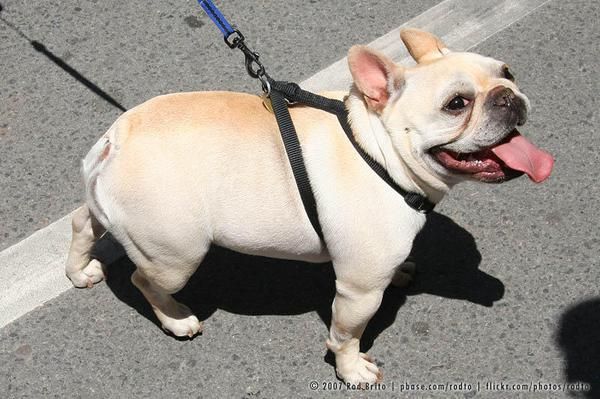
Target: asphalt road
x,y
507,289
135,51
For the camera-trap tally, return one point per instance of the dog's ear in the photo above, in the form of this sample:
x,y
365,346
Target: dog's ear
x,y
375,75
423,46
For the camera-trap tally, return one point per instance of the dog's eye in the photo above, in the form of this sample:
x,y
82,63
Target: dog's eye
x,y
457,103
506,73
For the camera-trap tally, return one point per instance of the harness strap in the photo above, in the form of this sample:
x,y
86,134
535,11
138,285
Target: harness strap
x,y
295,94
294,153
282,91
416,201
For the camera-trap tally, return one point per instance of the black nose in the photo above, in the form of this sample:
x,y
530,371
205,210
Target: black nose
x,y
507,100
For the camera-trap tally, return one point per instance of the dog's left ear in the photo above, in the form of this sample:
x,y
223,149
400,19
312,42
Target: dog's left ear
x,y
376,76
423,46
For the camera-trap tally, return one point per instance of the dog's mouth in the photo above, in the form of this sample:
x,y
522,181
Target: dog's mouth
x,y
510,158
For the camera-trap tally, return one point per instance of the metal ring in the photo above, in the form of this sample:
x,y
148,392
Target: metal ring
x,y
239,38
266,86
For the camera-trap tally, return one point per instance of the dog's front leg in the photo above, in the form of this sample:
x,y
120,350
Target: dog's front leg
x,y
352,309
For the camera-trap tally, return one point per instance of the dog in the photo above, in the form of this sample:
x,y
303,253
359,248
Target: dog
x,y
181,172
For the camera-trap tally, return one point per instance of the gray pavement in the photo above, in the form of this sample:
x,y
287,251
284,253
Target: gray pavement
x,y
134,51
508,276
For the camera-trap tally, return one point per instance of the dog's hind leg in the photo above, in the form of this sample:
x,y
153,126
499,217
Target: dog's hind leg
x,y
173,316
159,275
81,269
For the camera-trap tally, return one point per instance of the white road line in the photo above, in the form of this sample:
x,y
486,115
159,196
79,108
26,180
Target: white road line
x,y
461,24
32,271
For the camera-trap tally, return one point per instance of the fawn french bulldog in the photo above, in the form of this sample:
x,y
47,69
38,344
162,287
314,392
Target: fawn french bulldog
x,y
183,171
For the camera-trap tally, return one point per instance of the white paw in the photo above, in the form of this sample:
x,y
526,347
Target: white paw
x,y
181,322
361,370
90,275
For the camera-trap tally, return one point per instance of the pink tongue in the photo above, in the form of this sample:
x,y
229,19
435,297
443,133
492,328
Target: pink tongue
x,y
521,155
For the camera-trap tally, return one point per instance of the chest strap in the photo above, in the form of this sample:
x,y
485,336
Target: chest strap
x,y
283,93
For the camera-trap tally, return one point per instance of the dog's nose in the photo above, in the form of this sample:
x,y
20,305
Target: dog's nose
x,y
505,98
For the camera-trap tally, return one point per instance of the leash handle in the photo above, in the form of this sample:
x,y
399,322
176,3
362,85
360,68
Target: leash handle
x,y
217,17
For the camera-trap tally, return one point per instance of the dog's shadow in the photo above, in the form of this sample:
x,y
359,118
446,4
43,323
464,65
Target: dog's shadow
x,y
447,265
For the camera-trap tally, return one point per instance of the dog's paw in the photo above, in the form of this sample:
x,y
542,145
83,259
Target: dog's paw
x,y
362,370
91,274
404,274
181,322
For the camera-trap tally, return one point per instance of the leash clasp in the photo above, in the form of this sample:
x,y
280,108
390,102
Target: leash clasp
x,y
253,66
235,39
251,61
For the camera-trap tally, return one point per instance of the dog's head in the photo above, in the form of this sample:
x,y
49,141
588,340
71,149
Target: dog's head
x,y
453,116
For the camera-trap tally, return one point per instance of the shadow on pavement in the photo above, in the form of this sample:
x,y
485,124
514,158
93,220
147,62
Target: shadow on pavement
x,y
447,265
579,339
42,49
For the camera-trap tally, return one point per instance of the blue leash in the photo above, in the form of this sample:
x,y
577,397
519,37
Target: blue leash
x,y
217,17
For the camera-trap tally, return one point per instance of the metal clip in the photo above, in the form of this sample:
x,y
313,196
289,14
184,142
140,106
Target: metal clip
x,y
236,38
252,60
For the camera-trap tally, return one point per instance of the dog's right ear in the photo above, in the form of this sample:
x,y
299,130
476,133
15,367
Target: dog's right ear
x,y
375,75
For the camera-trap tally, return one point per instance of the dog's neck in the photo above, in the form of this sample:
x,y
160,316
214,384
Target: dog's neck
x,y
373,137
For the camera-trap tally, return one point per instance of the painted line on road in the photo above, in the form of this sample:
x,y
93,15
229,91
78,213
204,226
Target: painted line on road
x,y
461,25
32,271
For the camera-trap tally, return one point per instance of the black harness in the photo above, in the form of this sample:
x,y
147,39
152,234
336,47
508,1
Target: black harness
x,y
284,92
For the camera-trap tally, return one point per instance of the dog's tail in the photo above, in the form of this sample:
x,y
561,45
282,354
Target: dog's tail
x,y
92,166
